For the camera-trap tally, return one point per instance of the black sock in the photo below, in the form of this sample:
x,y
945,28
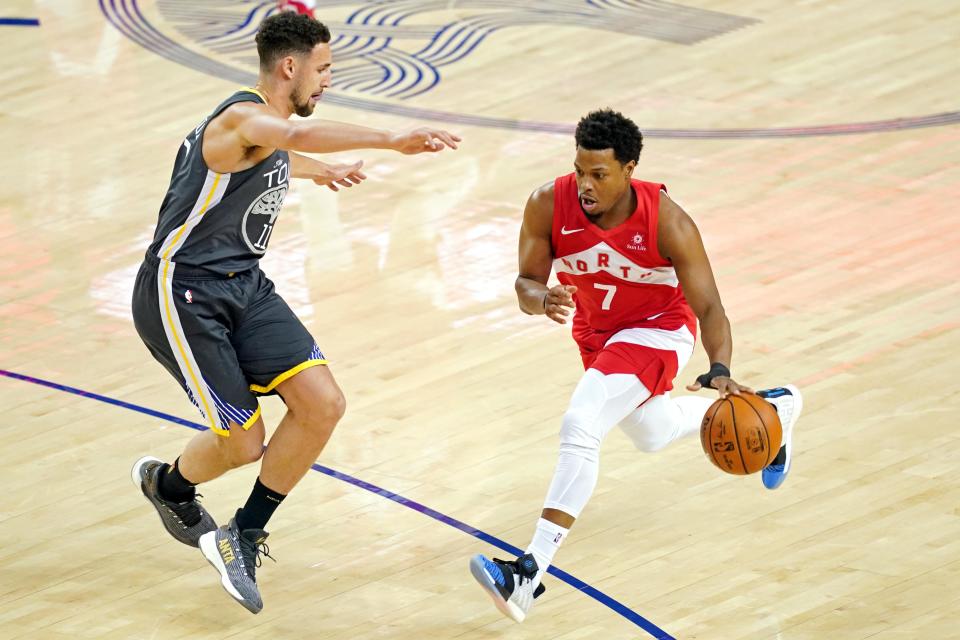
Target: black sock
x,y
173,486
261,504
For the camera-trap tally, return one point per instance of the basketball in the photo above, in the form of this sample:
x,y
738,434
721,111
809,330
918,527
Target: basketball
x,y
741,434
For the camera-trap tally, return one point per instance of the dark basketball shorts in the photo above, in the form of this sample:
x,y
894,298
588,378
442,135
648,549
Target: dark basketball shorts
x,y
227,340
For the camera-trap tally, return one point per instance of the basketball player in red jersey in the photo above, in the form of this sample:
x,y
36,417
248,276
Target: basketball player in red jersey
x,y
632,263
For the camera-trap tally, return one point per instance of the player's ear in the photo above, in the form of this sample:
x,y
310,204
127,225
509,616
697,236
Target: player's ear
x,y
288,67
628,169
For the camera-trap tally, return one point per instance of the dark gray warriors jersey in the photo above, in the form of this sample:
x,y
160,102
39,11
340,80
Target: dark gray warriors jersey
x,y
220,222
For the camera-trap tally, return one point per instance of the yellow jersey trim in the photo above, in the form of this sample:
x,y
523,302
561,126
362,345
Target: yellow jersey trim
x,y
249,423
211,415
245,426
183,227
256,91
286,375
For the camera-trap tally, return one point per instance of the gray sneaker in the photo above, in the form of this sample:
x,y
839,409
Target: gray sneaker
x,y
236,555
185,521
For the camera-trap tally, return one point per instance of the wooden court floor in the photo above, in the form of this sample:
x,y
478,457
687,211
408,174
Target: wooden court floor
x,y
817,146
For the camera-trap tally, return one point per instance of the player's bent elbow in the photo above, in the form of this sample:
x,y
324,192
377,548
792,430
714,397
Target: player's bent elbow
x,y
714,312
521,286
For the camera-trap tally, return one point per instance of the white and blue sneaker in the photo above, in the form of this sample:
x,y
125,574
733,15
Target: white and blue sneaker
x,y
788,401
509,584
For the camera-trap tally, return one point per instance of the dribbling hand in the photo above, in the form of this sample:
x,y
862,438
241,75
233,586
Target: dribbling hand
x,y
557,301
725,386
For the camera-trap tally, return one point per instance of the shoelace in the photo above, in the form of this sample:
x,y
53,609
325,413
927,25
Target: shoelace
x,y
251,552
188,512
517,569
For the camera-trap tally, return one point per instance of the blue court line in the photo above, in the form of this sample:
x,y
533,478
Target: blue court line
x,y
573,581
20,22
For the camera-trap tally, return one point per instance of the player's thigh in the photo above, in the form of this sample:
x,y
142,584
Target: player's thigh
x,y
652,425
180,321
598,403
278,355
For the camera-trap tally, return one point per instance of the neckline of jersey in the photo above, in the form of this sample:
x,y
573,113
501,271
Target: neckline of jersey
x,y
612,230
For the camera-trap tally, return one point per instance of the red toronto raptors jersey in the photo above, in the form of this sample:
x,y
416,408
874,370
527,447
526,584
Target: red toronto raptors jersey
x,y
622,280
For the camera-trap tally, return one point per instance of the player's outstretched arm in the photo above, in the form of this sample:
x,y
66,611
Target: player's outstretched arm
x,y
536,261
332,176
258,127
679,241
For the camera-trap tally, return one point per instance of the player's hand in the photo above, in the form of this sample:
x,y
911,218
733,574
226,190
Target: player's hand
x,y
423,140
557,302
334,176
724,385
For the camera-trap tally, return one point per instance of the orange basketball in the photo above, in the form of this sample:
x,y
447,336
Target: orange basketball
x,y
741,434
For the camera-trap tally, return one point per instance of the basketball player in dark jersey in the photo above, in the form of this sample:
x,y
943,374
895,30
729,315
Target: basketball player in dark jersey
x,y
210,316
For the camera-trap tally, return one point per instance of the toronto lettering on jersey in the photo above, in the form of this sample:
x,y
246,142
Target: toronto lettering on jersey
x,y
601,257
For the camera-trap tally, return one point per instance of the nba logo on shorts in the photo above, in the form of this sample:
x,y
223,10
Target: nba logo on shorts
x,y
189,296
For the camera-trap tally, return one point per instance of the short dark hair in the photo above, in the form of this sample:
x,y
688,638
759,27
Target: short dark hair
x,y
288,32
609,129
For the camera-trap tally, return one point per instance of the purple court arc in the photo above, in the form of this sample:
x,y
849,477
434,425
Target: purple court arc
x,y
573,581
402,76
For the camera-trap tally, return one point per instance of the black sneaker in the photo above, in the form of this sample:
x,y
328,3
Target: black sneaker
x,y
185,521
236,555
509,584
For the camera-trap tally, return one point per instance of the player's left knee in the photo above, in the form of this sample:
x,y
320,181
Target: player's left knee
x,y
650,443
578,428
647,437
239,448
324,409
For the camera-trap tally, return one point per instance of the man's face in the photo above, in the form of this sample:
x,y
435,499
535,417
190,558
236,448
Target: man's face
x,y
601,179
312,76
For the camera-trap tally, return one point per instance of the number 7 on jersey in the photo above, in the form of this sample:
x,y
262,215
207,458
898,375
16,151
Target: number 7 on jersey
x,y
611,290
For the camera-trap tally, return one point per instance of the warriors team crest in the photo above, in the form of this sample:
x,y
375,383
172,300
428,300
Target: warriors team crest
x,y
402,49
260,217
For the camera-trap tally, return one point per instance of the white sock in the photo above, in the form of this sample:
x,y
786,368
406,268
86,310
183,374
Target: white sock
x,y
546,540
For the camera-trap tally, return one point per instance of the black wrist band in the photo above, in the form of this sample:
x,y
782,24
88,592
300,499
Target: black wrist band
x,y
716,370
